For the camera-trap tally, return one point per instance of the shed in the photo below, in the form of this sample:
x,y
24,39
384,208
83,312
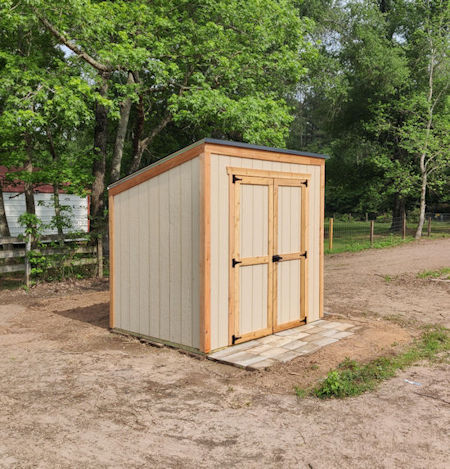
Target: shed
x,y
76,207
217,244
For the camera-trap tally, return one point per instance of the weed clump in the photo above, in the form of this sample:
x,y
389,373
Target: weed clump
x,y
352,378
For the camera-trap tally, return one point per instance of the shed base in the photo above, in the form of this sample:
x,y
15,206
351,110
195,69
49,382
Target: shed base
x,y
155,342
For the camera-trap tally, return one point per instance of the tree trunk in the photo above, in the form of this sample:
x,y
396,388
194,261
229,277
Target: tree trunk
x,y
142,145
28,186
99,165
137,137
4,228
56,203
125,108
57,206
423,193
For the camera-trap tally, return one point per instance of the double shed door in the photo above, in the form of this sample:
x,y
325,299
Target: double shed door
x,y
268,252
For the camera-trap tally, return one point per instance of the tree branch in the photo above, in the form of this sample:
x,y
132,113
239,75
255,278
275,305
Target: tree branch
x,y
72,46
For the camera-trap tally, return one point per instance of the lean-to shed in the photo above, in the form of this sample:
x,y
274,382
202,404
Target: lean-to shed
x,y
217,244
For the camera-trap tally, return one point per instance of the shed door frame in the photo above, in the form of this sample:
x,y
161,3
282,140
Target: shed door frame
x,y
272,179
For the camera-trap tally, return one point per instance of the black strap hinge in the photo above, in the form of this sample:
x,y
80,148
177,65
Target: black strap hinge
x,y
234,338
276,258
306,183
234,262
305,255
235,178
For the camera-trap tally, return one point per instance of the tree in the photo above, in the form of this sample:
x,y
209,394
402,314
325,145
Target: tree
x,y
368,101
44,104
216,68
425,131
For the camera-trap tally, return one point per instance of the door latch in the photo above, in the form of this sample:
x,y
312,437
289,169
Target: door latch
x,y
276,258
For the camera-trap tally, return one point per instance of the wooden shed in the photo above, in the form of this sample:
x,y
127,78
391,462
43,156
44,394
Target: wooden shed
x,y
217,244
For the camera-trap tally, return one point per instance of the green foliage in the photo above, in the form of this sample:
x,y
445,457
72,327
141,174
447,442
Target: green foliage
x,y
352,378
366,102
55,260
445,271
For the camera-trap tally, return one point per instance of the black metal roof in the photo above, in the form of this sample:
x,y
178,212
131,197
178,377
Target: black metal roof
x,y
220,142
262,147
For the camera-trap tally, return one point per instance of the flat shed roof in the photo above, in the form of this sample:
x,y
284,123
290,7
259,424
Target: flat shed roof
x,y
216,141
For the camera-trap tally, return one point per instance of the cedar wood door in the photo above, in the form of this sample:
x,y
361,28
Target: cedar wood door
x,y
268,254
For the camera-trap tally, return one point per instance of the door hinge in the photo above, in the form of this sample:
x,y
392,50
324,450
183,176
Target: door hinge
x,y
305,255
235,178
234,338
276,258
234,262
306,183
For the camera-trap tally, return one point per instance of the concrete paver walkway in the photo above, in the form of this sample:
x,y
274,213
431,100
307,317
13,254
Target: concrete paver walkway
x,y
284,346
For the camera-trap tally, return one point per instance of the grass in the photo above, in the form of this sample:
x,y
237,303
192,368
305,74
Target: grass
x,y
445,271
353,236
351,245
352,378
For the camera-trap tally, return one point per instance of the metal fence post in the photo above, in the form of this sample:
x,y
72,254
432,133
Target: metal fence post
x,y
371,232
330,235
429,227
99,256
27,261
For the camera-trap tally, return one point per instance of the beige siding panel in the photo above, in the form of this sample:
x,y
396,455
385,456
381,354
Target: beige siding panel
x,y
289,219
253,298
219,238
175,259
124,252
195,243
153,283
186,253
164,256
157,244
254,220
288,301
144,261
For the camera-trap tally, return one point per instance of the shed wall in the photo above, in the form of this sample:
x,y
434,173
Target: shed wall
x,y
219,237
157,256
45,210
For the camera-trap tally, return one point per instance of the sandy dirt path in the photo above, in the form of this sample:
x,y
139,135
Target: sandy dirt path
x,y
384,282
74,395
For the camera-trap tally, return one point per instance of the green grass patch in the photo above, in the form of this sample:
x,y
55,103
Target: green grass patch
x,y
444,272
352,378
354,236
348,245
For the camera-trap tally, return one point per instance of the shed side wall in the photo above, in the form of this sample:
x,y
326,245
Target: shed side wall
x,y
219,237
157,256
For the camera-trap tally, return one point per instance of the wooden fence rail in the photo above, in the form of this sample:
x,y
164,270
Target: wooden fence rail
x,y
94,253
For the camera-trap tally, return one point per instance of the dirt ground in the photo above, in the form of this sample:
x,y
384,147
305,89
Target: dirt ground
x,y
384,282
74,395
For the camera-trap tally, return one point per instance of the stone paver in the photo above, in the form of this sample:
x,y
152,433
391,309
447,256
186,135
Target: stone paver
x,y
284,346
295,344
